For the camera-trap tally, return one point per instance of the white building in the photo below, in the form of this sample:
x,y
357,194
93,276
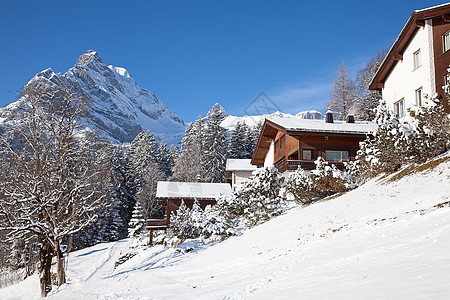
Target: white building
x,y
239,171
416,65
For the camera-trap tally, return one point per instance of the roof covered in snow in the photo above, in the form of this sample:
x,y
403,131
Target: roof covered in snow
x,y
198,190
234,164
321,126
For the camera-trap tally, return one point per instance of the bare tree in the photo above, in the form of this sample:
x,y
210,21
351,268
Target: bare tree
x,y
368,100
342,95
48,174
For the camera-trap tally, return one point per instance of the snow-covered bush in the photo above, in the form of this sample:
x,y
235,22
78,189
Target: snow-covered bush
x,y
258,199
323,181
326,180
194,223
266,182
300,186
423,134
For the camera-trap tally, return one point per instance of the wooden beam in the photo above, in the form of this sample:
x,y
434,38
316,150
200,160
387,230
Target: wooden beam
x,y
420,23
398,56
446,17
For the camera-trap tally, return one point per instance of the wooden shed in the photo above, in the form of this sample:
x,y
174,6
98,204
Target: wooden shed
x,y
171,194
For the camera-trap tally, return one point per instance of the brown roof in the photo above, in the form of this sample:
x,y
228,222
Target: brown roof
x,y
416,20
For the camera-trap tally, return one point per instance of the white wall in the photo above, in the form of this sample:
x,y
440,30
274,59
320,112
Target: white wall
x,y
268,160
404,80
240,177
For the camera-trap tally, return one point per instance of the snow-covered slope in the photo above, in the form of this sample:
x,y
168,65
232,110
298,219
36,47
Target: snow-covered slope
x,y
384,240
230,121
120,108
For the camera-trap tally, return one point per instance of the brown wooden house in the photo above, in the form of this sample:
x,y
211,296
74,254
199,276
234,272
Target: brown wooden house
x,y
289,143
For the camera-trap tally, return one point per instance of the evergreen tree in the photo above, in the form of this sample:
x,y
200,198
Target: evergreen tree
x,y
180,222
214,146
238,141
189,163
136,226
342,96
143,149
164,160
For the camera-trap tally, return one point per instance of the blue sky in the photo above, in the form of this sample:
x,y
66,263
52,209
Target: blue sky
x,y
192,54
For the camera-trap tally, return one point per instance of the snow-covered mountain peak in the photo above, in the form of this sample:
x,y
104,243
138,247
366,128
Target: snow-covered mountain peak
x,y
89,57
121,71
219,108
120,108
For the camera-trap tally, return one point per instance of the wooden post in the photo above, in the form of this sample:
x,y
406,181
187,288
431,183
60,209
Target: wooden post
x,y
150,242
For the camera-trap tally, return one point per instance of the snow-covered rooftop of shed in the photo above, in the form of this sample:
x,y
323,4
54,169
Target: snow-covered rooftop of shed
x,y
234,164
322,126
199,190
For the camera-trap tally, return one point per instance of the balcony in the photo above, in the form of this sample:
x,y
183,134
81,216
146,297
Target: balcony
x,y
284,164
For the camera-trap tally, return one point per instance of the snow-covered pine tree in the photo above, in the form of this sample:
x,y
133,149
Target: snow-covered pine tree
x,y
164,160
259,197
197,219
214,146
252,136
124,188
189,163
180,222
216,226
238,140
136,226
143,149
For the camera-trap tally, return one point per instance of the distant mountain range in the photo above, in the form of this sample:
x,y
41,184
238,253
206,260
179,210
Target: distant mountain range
x,y
120,108
230,121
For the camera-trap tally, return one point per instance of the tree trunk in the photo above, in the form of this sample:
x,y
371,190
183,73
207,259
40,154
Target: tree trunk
x,y
45,257
60,272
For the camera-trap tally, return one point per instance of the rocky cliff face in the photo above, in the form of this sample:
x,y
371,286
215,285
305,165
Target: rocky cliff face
x,y
120,108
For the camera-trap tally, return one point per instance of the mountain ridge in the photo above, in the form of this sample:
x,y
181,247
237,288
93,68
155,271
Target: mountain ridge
x,y
120,108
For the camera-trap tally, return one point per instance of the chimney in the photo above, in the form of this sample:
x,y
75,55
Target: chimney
x,y
350,119
329,116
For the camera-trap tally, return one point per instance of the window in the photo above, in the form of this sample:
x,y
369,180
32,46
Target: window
x,y
446,81
417,62
446,41
399,108
419,97
336,155
307,155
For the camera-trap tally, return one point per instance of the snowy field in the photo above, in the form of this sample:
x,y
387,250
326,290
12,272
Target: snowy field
x,y
384,240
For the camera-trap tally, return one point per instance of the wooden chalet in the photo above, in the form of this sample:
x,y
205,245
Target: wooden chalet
x,y
289,143
171,194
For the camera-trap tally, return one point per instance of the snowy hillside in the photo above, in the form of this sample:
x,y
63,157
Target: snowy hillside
x,y
230,121
388,239
120,108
